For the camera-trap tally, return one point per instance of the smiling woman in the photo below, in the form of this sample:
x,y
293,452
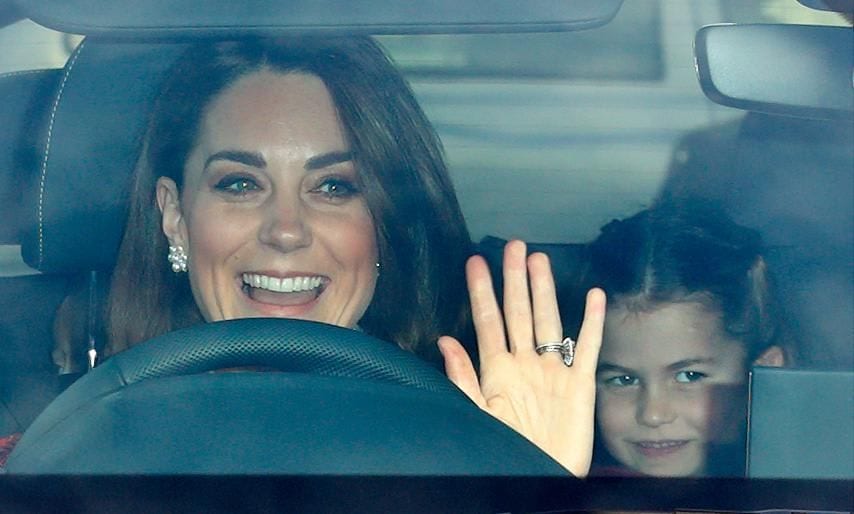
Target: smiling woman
x,y
272,200
297,176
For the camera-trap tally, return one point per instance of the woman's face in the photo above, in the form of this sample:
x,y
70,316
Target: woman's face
x,y
271,215
669,386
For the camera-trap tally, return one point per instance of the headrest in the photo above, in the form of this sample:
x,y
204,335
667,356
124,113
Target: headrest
x,y
24,97
569,264
77,202
567,260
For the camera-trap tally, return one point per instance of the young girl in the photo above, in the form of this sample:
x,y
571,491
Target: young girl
x,y
689,312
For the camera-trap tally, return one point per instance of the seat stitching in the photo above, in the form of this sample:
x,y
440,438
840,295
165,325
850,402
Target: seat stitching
x,y
10,74
47,150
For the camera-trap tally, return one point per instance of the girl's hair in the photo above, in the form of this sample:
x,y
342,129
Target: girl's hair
x,y
421,235
691,253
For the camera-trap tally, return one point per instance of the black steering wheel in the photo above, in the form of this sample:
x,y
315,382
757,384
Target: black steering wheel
x,y
343,403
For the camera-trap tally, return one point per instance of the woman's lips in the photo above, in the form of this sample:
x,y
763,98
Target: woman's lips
x,y
286,296
659,449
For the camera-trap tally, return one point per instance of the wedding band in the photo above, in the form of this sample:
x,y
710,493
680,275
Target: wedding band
x,y
548,347
566,348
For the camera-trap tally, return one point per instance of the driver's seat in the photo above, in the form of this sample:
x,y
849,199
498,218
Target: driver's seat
x,y
66,157
28,300
135,421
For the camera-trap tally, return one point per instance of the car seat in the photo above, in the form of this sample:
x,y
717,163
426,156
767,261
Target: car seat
x,y
791,179
569,263
784,168
66,161
28,301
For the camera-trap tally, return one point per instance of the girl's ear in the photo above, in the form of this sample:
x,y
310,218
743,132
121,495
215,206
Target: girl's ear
x,y
169,203
773,356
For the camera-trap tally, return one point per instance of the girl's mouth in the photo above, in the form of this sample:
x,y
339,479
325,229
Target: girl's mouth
x,y
659,448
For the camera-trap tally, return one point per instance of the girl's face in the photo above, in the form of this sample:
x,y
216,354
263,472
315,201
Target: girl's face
x,y
669,385
271,215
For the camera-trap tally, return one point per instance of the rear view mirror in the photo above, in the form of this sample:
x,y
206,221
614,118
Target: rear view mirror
x,y
791,70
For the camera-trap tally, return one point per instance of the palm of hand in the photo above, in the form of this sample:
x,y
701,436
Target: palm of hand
x,y
549,403
549,406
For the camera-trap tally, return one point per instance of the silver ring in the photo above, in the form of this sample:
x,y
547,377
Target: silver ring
x,y
566,348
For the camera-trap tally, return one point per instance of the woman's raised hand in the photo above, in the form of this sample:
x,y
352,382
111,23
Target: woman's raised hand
x,y
539,396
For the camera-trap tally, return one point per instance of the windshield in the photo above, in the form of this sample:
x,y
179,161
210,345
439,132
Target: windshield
x,y
550,138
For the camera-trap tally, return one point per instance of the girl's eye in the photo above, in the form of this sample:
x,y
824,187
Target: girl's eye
x,y
622,381
687,377
337,188
237,185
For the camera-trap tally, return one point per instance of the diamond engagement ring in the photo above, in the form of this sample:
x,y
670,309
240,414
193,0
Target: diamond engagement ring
x,y
566,348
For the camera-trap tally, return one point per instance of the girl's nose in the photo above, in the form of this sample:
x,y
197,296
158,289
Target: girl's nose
x,y
656,407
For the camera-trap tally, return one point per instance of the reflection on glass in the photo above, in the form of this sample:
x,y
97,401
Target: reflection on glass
x,y
628,48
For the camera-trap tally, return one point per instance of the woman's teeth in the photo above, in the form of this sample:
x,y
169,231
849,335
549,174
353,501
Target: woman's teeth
x,y
282,285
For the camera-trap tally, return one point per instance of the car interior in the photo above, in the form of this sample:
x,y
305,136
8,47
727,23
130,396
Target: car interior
x,y
767,133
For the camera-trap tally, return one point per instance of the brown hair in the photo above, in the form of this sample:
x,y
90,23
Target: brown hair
x,y
422,239
692,253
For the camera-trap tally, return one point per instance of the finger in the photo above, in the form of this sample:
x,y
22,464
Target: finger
x,y
547,325
590,335
488,323
517,301
460,370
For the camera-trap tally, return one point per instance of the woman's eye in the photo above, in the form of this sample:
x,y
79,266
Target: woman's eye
x,y
687,377
237,185
622,381
337,188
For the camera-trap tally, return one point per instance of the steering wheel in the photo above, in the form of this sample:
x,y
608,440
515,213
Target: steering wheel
x,y
343,403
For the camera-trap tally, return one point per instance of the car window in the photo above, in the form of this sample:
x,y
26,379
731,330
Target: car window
x,y
551,136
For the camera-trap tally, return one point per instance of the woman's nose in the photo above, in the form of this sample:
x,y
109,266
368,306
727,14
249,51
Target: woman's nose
x,y
285,225
656,407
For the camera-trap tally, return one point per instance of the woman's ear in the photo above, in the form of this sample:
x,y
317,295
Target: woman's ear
x,y
773,356
169,203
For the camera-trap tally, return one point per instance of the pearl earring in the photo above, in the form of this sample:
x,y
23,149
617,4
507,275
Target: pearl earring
x,y
178,258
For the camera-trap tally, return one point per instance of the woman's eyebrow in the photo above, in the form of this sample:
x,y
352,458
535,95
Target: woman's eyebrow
x,y
254,159
325,160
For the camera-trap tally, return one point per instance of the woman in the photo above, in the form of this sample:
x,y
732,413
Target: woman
x,y
374,125
690,309
299,178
